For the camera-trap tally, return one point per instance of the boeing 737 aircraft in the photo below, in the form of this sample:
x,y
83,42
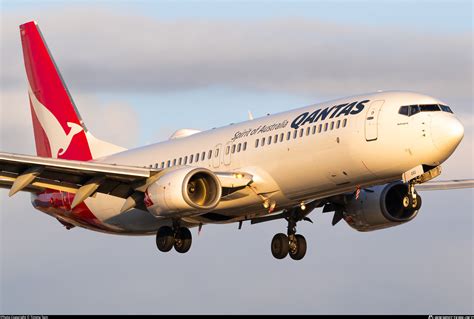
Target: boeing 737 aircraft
x,y
364,157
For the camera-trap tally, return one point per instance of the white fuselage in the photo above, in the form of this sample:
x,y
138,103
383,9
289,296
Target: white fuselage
x,y
308,157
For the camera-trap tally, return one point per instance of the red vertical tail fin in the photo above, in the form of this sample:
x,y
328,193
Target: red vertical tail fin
x,y
58,128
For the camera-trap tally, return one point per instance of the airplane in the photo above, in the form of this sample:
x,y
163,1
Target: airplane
x,y
365,158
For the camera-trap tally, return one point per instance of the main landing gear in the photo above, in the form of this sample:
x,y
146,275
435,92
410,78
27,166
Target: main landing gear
x,y
178,237
292,244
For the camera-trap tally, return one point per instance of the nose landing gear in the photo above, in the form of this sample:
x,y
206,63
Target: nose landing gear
x,y
412,199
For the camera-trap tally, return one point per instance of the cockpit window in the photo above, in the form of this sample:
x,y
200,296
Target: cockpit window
x,y
413,109
429,108
445,108
403,110
410,110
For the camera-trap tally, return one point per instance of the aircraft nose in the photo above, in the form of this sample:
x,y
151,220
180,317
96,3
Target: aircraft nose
x,y
447,133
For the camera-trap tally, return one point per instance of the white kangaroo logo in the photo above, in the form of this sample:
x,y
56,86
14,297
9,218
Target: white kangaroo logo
x,y
59,141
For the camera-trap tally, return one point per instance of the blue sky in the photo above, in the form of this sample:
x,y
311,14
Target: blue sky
x,y
429,15
155,67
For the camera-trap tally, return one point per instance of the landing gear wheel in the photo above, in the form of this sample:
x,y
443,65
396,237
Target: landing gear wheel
x,y
407,201
410,202
280,245
300,251
418,202
165,239
182,240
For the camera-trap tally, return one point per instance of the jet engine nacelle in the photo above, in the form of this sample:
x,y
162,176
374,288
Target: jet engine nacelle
x,y
380,207
182,191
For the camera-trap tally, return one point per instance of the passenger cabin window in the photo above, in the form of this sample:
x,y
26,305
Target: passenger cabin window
x,y
282,137
191,158
180,160
263,141
295,134
185,160
162,164
301,132
344,123
174,162
332,126
314,129
256,142
239,147
168,164
269,140
203,156
244,148
233,148
338,123
320,128
209,155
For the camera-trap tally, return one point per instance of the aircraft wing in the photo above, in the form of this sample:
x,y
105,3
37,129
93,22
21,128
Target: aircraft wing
x,y
445,185
36,174
33,173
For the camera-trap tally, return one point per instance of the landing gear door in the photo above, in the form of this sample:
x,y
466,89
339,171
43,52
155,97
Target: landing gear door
x,y
372,119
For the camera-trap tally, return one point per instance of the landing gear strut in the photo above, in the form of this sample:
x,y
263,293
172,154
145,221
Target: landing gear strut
x,y
292,244
411,199
178,237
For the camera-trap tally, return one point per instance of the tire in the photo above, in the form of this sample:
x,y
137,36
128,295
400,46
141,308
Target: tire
x,y
183,240
300,248
164,239
279,246
418,202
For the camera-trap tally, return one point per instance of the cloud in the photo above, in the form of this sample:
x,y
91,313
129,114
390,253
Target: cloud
x,y
16,130
135,53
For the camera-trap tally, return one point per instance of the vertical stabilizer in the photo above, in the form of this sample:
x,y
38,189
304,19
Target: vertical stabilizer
x,y
58,128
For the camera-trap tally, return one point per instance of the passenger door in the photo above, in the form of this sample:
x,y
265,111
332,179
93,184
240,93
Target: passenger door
x,y
372,120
